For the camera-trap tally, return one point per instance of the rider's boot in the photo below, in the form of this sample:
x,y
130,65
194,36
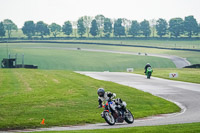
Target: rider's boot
x,y
124,107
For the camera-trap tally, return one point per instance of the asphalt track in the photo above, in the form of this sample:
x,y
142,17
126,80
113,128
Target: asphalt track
x,y
185,95
178,61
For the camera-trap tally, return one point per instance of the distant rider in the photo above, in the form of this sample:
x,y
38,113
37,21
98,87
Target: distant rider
x,y
147,65
108,96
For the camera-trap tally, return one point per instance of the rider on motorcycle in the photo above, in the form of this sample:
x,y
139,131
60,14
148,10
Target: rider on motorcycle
x,y
147,65
106,96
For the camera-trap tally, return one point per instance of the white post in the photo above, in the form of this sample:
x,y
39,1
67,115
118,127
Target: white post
x,y
7,49
16,59
173,75
130,69
22,60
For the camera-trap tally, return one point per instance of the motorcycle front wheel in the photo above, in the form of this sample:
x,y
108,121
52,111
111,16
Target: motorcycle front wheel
x,y
109,118
129,118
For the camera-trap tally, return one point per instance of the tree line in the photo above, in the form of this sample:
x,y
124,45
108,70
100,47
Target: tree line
x,y
104,27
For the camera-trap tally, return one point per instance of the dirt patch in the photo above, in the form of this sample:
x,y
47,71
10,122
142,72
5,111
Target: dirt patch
x,y
56,81
70,91
21,79
57,104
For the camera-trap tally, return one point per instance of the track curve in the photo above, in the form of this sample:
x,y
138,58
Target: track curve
x,y
185,95
178,61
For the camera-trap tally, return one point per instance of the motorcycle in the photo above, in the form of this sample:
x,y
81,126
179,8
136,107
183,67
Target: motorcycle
x,y
149,72
119,116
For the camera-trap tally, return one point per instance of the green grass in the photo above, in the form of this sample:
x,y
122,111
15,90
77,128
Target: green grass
x,y
157,43
177,128
186,74
64,98
193,57
79,60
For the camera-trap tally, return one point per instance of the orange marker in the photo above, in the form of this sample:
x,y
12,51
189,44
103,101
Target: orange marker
x,y
42,122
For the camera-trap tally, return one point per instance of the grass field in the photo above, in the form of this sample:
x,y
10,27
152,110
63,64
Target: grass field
x,y
28,96
184,44
177,128
64,98
186,74
58,58
193,57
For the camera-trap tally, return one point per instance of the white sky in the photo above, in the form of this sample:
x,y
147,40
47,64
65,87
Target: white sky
x,y
59,11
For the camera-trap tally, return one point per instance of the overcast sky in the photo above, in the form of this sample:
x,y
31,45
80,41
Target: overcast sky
x,y
59,11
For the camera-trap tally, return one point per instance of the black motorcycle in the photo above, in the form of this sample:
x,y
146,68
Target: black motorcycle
x,y
118,116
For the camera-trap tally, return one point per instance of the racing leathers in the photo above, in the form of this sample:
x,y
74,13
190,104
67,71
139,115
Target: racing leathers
x,y
145,68
107,96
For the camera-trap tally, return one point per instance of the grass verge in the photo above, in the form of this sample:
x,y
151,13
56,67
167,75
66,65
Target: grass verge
x,y
78,60
64,98
193,57
177,128
184,74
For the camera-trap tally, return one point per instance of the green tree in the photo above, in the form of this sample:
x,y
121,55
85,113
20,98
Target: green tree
x,y
42,29
55,29
161,27
190,26
100,23
135,29
81,27
87,22
67,28
94,28
2,30
145,28
29,29
9,26
107,27
119,30
176,26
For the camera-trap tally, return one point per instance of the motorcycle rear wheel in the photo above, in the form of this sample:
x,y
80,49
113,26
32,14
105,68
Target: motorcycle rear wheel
x,y
148,75
109,118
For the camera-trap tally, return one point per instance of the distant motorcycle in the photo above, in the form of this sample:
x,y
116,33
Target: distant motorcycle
x,y
149,72
112,117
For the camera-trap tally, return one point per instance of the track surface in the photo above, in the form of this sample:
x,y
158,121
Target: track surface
x,y
185,95
178,61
